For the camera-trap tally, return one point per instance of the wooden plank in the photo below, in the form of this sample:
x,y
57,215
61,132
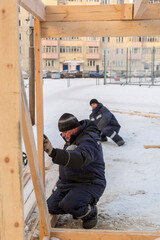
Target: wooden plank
x,y
89,13
34,164
152,12
151,146
39,102
35,7
80,234
139,7
137,114
11,199
39,95
100,28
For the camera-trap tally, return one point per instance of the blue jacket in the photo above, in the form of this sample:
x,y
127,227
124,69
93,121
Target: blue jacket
x,y
81,161
102,117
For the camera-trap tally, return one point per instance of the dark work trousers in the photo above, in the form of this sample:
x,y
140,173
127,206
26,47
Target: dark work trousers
x,y
111,132
77,202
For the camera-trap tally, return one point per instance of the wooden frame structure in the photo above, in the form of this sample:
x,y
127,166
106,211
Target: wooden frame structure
x,y
139,19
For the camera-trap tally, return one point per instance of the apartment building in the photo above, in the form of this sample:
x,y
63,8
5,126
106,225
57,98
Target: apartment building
x,y
90,53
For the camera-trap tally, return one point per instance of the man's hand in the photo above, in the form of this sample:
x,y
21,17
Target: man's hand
x,y
47,145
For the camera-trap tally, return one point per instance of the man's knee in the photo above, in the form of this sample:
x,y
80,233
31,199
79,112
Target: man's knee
x,y
66,205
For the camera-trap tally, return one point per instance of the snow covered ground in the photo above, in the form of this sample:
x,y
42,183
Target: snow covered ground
x,y
132,198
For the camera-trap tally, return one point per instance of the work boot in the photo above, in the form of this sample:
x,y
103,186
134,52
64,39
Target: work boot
x,y
120,142
90,223
104,138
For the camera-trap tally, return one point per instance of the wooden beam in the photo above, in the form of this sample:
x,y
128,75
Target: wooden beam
x,y
39,95
11,199
100,28
89,13
139,7
39,104
151,146
35,7
80,234
34,164
152,12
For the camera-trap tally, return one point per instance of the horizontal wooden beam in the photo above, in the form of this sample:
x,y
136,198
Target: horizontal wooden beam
x,y
89,13
80,234
139,7
100,28
35,7
114,12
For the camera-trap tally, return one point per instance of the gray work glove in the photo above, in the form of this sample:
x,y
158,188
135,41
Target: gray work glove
x,y
47,146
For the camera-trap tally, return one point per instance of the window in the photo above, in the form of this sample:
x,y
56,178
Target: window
x,y
119,63
93,38
69,49
50,49
105,39
49,63
119,50
119,39
120,1
91,63
136,50
92,50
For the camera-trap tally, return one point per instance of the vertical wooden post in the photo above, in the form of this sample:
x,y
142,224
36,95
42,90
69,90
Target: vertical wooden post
x,y
39,103
31,72
11,204
39,94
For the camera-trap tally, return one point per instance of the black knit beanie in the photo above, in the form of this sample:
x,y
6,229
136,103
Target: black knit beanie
x,y
67,122
94,101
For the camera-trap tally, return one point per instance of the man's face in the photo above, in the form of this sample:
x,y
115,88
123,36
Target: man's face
x,y
94,105
67,134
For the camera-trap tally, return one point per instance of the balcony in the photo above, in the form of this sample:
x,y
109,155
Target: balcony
x,y
50,55
93,56
49,42
93,44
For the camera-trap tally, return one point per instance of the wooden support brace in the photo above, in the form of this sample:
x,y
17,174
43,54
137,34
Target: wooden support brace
x,y
139,7
34,164
80,234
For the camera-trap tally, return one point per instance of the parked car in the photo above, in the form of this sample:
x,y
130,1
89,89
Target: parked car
x,y
25,75
120,74
86,74
138,73
66,74
55,74
48,74
111,73
44,74
79,74
97,75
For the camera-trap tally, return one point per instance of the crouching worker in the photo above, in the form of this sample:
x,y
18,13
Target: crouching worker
x,y
81,169
106,122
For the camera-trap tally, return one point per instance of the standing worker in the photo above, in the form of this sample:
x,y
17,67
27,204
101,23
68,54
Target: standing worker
x,y
106,122
81,170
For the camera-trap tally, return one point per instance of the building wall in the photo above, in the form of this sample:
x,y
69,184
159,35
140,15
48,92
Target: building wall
x,y
55,52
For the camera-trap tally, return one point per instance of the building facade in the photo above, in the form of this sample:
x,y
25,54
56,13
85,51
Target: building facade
x,y
91,53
